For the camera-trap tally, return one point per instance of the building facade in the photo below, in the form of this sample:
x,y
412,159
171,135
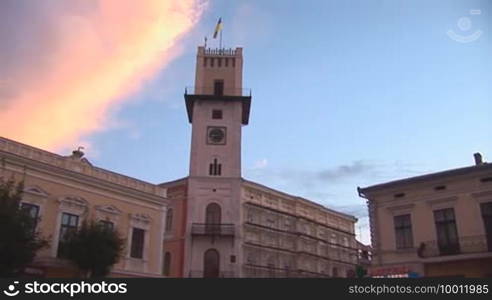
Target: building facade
x,y
63,191
438,224
222,225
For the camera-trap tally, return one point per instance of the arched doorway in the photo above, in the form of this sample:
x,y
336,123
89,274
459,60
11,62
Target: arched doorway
x,y
211,261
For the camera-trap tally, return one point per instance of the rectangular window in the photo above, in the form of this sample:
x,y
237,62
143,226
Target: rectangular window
x,y
403,231
486,209
69,224
106,224
217,114
137,246
447,234
219,87
33,211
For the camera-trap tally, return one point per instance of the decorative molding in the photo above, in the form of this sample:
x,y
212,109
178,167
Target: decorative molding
x,y
73,204
35,191
442,201
401,208
484,194
142,221
108,209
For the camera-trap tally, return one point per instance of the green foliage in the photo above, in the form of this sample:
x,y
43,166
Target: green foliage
x,y
360,271
94,248
19,242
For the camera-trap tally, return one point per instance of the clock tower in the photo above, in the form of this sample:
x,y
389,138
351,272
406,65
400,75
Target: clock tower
x,y
217,108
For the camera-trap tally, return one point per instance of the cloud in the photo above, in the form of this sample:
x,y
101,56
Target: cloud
x,y
326,175
67,64
260,164
343,171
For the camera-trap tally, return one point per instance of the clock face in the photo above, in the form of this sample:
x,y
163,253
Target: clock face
x,y
216,135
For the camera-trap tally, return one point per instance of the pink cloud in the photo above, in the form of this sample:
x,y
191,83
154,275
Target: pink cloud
x,y
94,58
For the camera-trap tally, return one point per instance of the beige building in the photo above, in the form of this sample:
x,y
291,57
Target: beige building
x,y
63,191
438,224
288,236
225,226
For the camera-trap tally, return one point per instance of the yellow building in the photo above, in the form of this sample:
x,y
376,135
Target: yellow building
x,y
63,191
437,224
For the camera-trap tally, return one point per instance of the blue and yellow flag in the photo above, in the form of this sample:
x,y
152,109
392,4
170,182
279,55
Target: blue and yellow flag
x,y
218,28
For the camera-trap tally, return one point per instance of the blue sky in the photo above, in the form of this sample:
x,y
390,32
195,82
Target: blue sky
x,y
345,94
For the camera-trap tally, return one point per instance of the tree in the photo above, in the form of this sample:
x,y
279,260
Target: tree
x,y
94,248
19,241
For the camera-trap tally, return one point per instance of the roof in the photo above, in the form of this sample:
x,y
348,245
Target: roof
x,y
427,177
302,199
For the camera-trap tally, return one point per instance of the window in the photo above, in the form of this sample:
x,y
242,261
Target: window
x,y
447,235
213,218
403,231
69,225
33,211
166,269
334,272
219,87
219,62
169,220
215,169
108,225
487,222
138,236
205,61
217,114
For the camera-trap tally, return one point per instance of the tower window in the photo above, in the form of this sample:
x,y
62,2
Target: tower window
x,y
218,87
212,62
233,62
205,61
215,169
217,114
220,62
227,61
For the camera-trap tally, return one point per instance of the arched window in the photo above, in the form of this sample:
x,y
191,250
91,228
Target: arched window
x,y
211,264
169,220
213,214
166,268
213,218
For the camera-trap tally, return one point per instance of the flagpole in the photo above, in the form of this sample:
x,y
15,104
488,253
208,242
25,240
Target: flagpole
x,y
220,40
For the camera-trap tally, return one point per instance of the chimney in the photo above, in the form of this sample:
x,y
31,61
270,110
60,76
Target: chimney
x,y
478,159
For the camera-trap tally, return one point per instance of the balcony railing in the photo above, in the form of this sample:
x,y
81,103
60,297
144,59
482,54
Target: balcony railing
x,y
211,90
464,245
220,51
201,274
212,229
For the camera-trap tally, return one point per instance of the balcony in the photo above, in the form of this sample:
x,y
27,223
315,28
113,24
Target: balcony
x,y
199,229
213,91
201,274
219,92
465,245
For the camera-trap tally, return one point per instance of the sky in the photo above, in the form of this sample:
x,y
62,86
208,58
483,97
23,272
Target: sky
x,y
345,93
